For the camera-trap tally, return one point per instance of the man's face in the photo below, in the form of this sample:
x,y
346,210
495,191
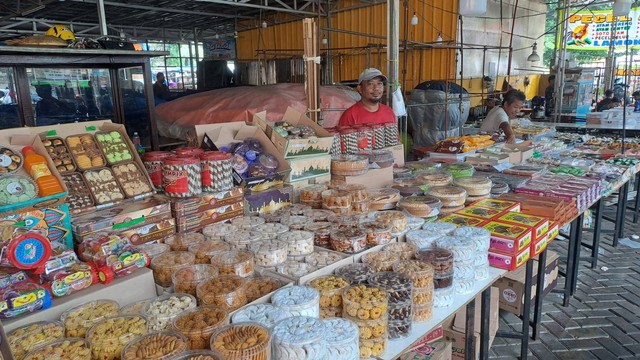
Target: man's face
x,y
512,109
372,90
160,78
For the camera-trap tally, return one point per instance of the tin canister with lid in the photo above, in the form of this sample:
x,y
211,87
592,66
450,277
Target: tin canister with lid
x,y
379,139
391,134
216,171
365,137
153,163
349,140
181,176
189,151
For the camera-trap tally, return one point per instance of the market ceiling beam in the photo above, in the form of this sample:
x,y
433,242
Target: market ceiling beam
x,y
266,6
162,9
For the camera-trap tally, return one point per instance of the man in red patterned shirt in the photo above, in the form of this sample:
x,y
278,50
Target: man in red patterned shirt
x,y
369,110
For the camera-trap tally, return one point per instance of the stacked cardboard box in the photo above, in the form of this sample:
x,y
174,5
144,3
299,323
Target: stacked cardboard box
x,y
192,214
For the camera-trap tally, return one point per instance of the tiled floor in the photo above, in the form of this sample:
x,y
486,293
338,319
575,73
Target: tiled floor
x,y
603,318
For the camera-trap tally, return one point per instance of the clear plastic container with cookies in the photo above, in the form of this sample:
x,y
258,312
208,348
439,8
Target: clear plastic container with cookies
x,y
161,311
358,192
422,313
73,348
242,239
259,286
348,240
299,242
152,249
320,215
156,345
164,265
269,253
199,324
365,302
396,219
330,288
217,231
109,336
295,268
405,250
332,199
199,355
398,288
296,222
225,291
356,274
349,165
384,198
342,339
443,297
182,241
361,207
377,233
312,193
374,347
400,328
380,260
234,262
27,337
247,222
271,230
299,337
79,319
186,278
85,151
321,232
243,341
204,251
420,272
423,239
135,308
298,300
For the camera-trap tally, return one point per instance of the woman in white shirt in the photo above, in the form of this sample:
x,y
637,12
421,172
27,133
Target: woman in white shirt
x,y
499,117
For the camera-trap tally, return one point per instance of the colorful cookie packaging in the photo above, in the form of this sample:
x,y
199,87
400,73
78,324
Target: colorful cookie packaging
x,y
182,176
60,154
85,151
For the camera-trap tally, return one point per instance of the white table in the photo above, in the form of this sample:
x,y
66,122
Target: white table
x,y
396,347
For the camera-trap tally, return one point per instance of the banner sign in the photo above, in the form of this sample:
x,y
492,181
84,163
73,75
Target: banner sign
x,y
591,30
220,49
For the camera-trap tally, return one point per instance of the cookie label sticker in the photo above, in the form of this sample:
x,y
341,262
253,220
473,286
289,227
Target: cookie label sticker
x,y
15,188
5,160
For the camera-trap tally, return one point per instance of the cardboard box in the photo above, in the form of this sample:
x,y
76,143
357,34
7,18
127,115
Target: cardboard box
x,y
437,350
462,220
197,221
480,212
20,138
297,185
508,238
486,158
309,167
205,201
511,286
554,231
398,154
373,179
497,204
521,152
539,225
256,203
456,333
148,232
53,222
540,244
224,134
293,148
509,261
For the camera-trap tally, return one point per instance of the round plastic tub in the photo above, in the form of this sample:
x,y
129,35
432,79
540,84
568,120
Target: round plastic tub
x,y
422,239
153,250
199,324
161,311
271,230
79,319
225,291
163,345
296,222
420,272
406,251
441,228
186,278
34,335
299,337
462,248
348,240
164,265
330,288
377,233
218,231
136,308
234,262
299,243
199,355
364,302
109,336
247,222
298,300
321,232
259,286
381,260
396,219
398,287
269,253
204,251
342,339
243,341
181,242
64,349
266,315
242,239
356,274
440,259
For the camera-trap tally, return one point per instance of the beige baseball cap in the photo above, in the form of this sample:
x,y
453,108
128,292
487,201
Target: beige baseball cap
x,y
370,74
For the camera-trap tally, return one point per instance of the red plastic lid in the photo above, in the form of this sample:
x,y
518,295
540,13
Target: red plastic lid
x,y
189,151
177,160
156,155
215,155
29,251
27,148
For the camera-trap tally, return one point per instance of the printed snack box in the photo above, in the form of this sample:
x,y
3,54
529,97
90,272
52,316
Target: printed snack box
x,y
502,205
480,212
508,238
507,261
462,220
538,224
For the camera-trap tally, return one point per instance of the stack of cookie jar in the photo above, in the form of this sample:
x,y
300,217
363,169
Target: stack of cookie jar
x,y
482,240
442,262
367,307
400,311
463,250
421,275
330,288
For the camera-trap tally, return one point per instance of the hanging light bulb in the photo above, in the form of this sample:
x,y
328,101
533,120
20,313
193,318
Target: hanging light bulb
x,y
264,24
621,7
534,57
414,19
235,34
325,41
216,36
439,38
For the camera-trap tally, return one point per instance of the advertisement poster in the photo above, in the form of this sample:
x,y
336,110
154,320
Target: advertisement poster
x,y
591,30
220,49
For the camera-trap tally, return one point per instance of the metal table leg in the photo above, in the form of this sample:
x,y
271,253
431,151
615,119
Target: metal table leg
x,y
597,224
485,312
526,310
469,347
620,210
568,279
537,305
636,207
576,250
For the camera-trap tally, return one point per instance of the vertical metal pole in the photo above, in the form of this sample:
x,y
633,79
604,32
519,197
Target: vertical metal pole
x,y
627,71
102,19
559,85
193,78
393,46
405,56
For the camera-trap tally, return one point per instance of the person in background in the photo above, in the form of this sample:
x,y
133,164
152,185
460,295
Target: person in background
x,y
636,101
605,103
369,110
160,89
548,96
498,119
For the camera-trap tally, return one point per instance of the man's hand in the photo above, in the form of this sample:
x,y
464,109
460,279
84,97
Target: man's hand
x,y
511,139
